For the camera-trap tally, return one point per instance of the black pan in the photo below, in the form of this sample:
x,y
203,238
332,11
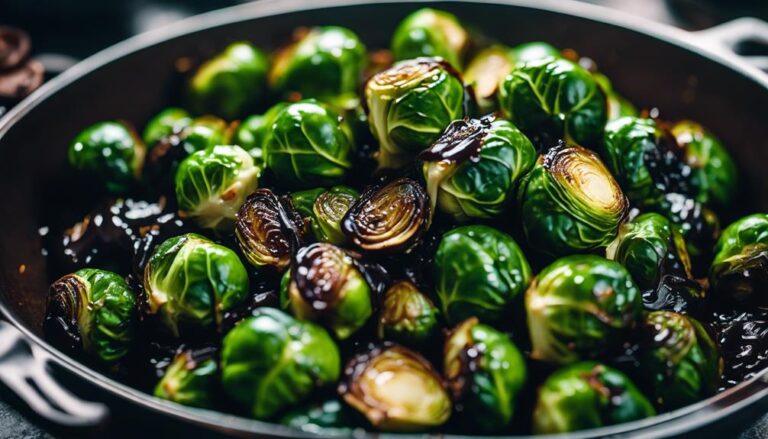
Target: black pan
x,y
653,65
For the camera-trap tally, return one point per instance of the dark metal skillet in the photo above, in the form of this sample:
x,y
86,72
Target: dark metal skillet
x,y
652,65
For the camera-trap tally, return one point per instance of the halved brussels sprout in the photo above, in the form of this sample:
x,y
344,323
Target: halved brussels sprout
x,y
271,361
680,362
167,122
93,311
556,99
484,73
325,210
407,315
308,145
618,106
570,202
396,389
430,32
231,83
473,169
323,62
304,201
478,271
109,151
212,184
485,372
190,282
388,218
739,271
534,51
251,134
326,286
328,418
579,307
191,378
409,105
268,230
587,395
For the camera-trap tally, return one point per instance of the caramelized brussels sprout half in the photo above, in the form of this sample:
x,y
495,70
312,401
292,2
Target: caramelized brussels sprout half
x,y
251,134
478,271
167,122
587,395
93,311
407,316
328,418
430,32
190,282
485,372
409,105
388,218
579,307
325,210
534,51
484,73
679,361
231,83
191,378
570,202
396,389
271,361
308,145
554,98
109,151
473,169
739,271
326,286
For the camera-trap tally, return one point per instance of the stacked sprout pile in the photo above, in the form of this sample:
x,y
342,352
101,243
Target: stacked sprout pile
x,y
448,235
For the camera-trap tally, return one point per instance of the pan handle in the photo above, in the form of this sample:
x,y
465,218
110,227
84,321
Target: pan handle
x,y
24,370
732,34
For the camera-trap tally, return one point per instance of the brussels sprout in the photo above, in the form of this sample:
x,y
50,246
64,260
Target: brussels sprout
x,y
474,167
396,389
167,122
308,146
231,83
212,184
714,175
554,97
618,106
324,62
325,210
679,360
409,106
534,51
95,311
268,230
407,315
326,286
202,133
110,151
570,202
251,134
587,395
485,372
579,307
739,271
484,73
478,271
304,201
190,379
328,418
190,282
430,32
388,218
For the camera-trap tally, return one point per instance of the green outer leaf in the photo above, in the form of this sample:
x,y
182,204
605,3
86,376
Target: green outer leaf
x,y
164,124
627,140
204,132
432,33
189,382
743,247
534,51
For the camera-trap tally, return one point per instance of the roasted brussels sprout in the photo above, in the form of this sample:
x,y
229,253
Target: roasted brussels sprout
x,y
430,32
191,378
109,151
570,202
93,311
409,106
268,230
324,62
190,282
587,395
231,83
579,307
329,418
485,372
325,210
739,271
271,361
251,134
202,133
473,168
388,218
396,389
534,51
407,316
556,99
326,286
484,73
212,184
478,271
680,363
308,145
167,122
